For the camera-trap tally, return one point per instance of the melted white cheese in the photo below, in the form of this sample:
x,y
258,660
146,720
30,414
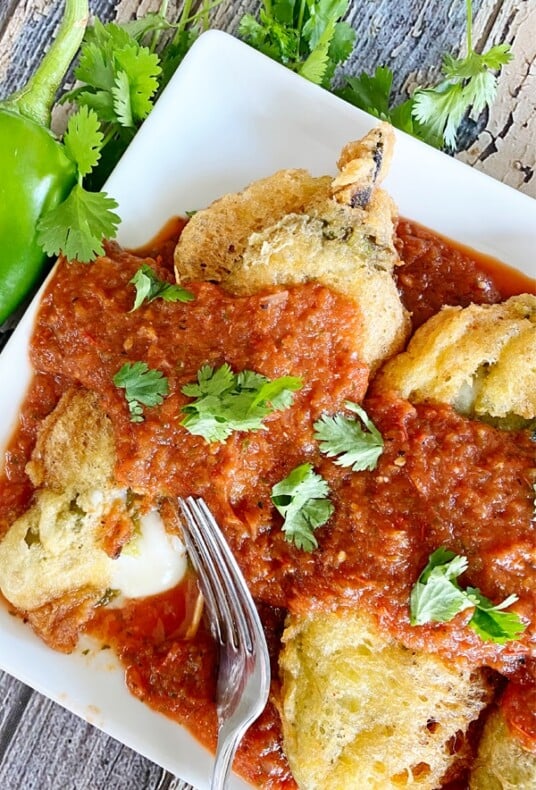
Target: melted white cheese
x,y
153,561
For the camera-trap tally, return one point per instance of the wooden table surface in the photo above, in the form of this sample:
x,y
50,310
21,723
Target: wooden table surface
x,y
43,747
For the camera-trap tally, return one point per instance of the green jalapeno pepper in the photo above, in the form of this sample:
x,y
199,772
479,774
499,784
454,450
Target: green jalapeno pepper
x,y
37,174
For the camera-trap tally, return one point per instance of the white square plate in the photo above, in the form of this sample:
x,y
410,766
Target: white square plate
x,y
229,116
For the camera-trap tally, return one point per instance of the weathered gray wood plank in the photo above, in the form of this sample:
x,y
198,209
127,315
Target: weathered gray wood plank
x,y
41,745
506,148
50,750
410,37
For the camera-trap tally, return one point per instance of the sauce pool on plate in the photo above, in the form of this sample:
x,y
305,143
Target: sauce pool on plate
x,y
386,522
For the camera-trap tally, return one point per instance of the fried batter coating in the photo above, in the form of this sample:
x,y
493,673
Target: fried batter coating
x,y
502,762
75,444
52,565
359,710
291,228
479,359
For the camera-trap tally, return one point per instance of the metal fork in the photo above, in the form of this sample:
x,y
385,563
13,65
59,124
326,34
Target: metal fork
x,y
244,670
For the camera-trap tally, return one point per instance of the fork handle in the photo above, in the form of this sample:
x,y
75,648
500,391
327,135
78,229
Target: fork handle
x,y
227,746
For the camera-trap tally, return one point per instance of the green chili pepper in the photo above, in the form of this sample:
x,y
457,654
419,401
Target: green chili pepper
x,y
37,174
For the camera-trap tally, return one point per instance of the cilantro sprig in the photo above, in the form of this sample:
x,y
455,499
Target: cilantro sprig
x,y
344,439
143,386
469,86
78,225
302,499
307,36
433,114
437,597
227,402
123,68
149,287
119,76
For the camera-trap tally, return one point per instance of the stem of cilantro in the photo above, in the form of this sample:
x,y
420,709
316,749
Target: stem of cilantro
x,y
299,26
108,135
183,20
186,18
162,11
204,13
469,13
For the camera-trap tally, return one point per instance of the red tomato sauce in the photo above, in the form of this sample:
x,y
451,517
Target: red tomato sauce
x,y
442,480
439,272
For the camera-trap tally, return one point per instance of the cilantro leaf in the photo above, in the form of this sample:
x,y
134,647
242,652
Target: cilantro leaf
x,y
78,226
434,114
136,83
315,66
437,597
302,499
83,140
342,43
370,93
344,437
118,75
469,85
151,22
227,402
490,622
441,109
143,386
149,287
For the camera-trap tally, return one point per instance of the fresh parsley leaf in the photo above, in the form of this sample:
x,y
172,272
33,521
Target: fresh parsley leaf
x,y
344,437
227,401
302,499
149,287
437,597
143,386
78,226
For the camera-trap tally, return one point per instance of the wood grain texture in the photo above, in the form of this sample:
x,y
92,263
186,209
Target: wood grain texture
x,y
43,747
506,147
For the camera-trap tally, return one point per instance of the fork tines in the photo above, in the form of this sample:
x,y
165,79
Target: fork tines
x,y
244,669
233,614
